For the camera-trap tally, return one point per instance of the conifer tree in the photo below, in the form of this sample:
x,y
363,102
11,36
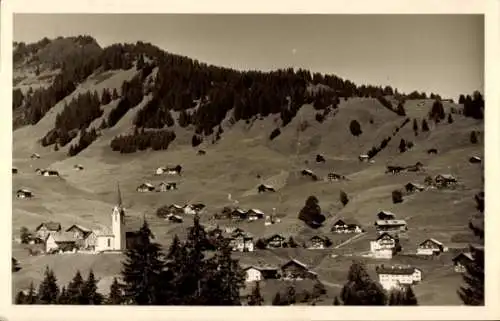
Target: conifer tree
x,y
360,289
115,96
277,299
255,298
336,301
89,291
63,297
20,298
425,126
74,290
142,271
48,290
115,296
31,297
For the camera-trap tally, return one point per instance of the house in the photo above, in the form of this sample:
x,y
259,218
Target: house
x,y
394,169
43,230
24,193
163,187
391,277
431,247
335,177
415,168
145,187
386,215
14,170
308,172
461,261
193,209
241,242
160,170
432,151
413,187
275,241
319,242
175,218
239,214
85,237
46,172
78,167
256,273
363,158
346,226
295,270
385,246
60,242
474,160
39,171
35,156
393,227
175,209
445,180
255,214
265,188
320,158
174,170
198,206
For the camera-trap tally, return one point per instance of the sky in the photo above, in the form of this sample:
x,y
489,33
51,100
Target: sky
x,y
443,54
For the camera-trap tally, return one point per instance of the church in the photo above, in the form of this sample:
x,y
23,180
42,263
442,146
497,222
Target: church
x,y
118,238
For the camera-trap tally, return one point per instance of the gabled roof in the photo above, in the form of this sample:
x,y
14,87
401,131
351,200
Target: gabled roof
x,y
276,235
81,228
415,185
466,255
447,177
396,270
260,267
433,241
147,184
385,235
348,222
51,226
386,213
298,263
24,190
257,211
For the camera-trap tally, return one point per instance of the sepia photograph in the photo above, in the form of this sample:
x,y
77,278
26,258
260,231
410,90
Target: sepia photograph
x,y
248,159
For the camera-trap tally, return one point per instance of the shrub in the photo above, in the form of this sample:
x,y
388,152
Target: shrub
x,y
402,146
344,199
196,140
473,137
320,118
355,128
425,126
261,244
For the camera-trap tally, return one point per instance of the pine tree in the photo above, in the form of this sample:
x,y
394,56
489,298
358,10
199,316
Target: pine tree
x,y
410,297
74,290
115,296
450,119
20,298
142,271
115,96
48,290
63,297
277,299
89,291
255,298
344,199
360,289
402,146
336,301
425,126
31,297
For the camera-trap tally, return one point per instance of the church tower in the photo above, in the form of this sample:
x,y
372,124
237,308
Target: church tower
x,y
118,224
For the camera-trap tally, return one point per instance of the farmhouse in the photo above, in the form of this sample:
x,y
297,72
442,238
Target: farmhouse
x,y
386,215
174,170
384,246
319,242
308,172
431,247
239,213
60,242
394,276
85,238
145,187
255,273
334,177
35,156
275,241
241,242
43,230
255,214
78,167
320,158
475,160
393,227
363,158
461,261
346,226
413,187
24,193
295,270
46,172
163,187
445,180
265,188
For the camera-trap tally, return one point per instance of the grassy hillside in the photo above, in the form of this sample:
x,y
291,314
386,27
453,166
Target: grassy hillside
x,y
245,157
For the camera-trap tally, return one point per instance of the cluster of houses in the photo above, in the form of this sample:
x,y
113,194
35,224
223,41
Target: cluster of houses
x,y
240,214
162,187
24,193
177,170
46,172
291,270
174,212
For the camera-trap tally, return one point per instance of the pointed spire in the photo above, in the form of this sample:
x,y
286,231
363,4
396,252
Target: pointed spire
x,y
119,196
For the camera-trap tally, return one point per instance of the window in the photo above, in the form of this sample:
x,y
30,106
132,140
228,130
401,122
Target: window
x,y
109,242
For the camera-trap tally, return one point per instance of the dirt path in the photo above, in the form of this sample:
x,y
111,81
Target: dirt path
x,y
332,285
355,237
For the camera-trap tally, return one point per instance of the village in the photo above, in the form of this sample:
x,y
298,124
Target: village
x,y
385,234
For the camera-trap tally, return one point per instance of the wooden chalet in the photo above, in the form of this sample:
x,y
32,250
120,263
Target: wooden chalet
x,y
393,227
145,187
296,270
276,241
24,193
346,226
461,261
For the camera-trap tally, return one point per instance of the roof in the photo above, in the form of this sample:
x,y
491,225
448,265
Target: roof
x,y
239,210
167,183
257,211
397,270
390,222
81,228
364,155
446,176
276,235
466,255
415,184
433,241
23,190
387,213
260,267
308,171
348,222
51,226
385,234
146,184
63,237
104,232
294,261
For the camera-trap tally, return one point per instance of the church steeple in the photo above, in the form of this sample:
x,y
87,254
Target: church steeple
x,y
119,196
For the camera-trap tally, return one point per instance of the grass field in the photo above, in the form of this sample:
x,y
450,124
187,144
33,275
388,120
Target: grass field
x,y
231,167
